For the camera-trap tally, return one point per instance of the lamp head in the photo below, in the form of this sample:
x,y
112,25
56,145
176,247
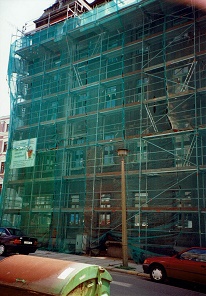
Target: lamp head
x,y
122,152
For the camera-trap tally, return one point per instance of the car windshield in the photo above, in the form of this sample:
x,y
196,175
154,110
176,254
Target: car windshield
x,y
15,231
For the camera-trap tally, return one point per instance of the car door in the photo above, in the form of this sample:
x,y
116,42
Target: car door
x,y
190,266
2,234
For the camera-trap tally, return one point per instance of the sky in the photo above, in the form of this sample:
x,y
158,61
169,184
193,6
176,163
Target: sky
x,y
13,16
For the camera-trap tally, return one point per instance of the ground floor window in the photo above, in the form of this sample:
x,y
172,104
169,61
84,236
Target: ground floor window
x,y
104,219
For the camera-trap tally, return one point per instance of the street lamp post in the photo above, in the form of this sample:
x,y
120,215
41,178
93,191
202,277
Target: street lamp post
x,y
122,153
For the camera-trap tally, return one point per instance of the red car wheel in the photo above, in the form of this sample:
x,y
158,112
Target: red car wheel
x,y
157,273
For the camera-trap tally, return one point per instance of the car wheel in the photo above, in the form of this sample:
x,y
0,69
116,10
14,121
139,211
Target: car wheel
x,y
2,250
157,273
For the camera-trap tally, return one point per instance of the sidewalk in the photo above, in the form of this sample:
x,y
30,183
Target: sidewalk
x,y
110,264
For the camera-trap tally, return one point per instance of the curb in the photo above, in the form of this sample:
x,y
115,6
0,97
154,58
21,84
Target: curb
x,y
133,272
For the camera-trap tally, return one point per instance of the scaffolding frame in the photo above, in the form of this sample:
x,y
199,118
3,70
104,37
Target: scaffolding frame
x,y
85,89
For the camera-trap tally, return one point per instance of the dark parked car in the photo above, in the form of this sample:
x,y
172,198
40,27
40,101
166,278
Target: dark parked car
x,y
13,240
189,265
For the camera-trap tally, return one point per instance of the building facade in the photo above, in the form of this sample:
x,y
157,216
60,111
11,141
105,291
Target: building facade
x,y
86,82
4,130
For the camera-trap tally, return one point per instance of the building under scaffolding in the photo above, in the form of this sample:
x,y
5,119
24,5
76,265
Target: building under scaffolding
x,y
88,81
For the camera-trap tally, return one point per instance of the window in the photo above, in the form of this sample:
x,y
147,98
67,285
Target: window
x,y
43,202
109,151
74,219
78,159
105,200
56,60
78,133
104,219
78,140
45,164
23,112
140,153
114,66
114,41
2,167
74,201
81,104
184,221
52,111
5,146
110,97
140,200
184,201
180,156
48,164
143,31
109,155
142,85
139,221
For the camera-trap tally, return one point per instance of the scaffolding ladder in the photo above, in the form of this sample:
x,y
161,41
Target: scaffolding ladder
x,y
192,145
77,75
189,75
151,118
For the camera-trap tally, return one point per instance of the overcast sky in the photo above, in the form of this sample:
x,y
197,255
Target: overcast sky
x,y
13,15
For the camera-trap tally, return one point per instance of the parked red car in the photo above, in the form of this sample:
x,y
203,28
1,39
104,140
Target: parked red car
x,y
13,240
189,265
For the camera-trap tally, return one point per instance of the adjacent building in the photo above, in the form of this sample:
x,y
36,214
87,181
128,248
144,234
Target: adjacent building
x,y
4,131
89,80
